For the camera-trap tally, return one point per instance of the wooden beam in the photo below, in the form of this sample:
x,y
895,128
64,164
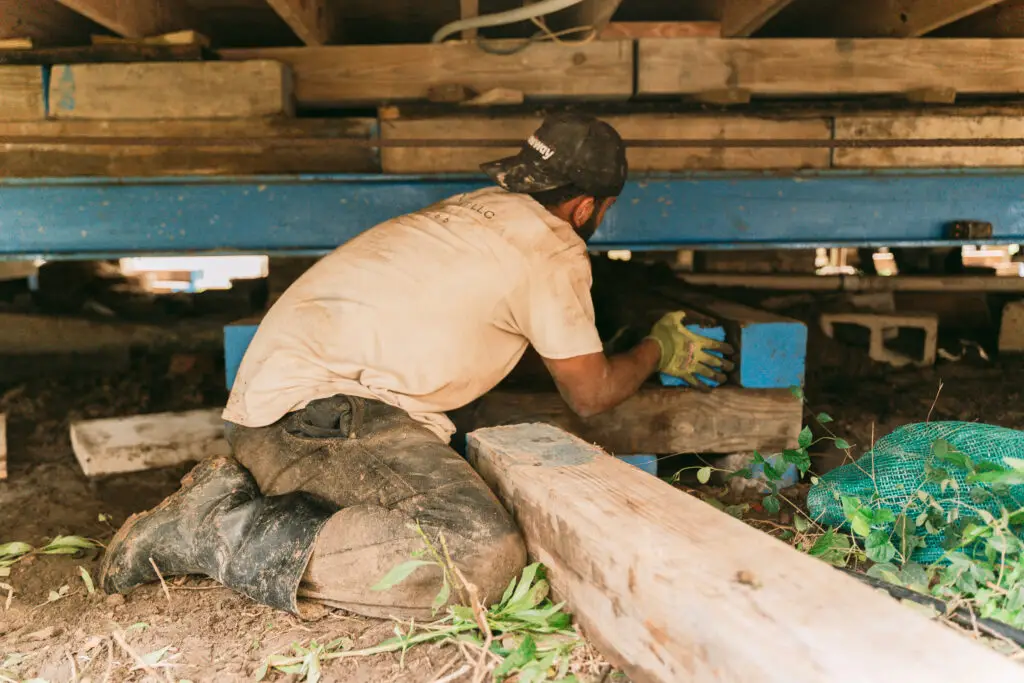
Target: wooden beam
x,y
929,126
396,126
3,446
1003,20
104,53
187,90
469,9
742,18
45,22
671,589
827,67
313,21
879,18
182,147
21,93
136,18
656,420
373,74
631,30
143,442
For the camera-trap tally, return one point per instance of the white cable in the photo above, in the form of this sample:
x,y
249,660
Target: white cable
x,y
501,18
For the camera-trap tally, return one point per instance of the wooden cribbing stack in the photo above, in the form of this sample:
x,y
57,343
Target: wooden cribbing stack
x,y
671,589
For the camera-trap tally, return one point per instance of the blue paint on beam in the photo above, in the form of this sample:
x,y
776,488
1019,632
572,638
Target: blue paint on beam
x,y
83,218
237,337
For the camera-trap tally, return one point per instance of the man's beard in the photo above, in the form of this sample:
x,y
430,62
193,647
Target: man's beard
x,y
589,227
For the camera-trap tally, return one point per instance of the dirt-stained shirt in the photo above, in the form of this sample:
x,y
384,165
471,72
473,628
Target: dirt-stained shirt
x,y
426,312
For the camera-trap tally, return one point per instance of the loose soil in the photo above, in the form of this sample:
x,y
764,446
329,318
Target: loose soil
x,y
212,633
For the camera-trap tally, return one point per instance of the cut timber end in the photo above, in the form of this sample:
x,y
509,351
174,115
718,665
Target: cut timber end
x,y
672,589
21,93
142,442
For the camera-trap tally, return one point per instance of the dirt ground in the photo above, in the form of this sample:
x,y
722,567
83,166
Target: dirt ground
x,y
213,634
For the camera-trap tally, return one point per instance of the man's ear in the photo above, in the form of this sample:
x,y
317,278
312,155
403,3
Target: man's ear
x,y
583,210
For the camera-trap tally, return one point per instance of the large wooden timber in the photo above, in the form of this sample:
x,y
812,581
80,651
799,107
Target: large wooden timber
x,y
371,74
396,126
932,127
21,93
656,420
184,90
671,589
220,147
828,67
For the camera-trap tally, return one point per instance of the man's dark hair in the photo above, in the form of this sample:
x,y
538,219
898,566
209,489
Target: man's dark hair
x,y
560,195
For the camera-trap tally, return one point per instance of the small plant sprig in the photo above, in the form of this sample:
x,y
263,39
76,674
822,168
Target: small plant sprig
x,y
16,551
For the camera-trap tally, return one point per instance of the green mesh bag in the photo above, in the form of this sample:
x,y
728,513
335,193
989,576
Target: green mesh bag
x,y
906,461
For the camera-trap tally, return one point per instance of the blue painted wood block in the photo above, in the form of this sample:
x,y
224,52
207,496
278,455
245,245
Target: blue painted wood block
x,y
237,337
647,463
771,350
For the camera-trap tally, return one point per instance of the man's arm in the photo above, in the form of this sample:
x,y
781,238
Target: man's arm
x,y
594,383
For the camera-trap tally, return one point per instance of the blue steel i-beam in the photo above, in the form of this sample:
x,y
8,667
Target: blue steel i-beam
x,y
101,217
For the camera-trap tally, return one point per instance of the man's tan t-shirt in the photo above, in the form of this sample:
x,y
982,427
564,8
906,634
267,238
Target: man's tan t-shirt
x,y
426,312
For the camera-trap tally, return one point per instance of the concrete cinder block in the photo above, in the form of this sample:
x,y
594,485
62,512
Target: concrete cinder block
x,y
884,327
1011,329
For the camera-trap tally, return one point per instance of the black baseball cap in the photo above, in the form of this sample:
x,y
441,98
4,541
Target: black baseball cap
x,y
567,149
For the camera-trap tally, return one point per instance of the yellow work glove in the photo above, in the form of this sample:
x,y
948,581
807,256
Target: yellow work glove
x,y
685,354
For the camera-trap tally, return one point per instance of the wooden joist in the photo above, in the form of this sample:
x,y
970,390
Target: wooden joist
x,y
142,442
826,67
672,589
742,18
182,147
928,126
313,21
897,18
137,18
45,22
372,74
188,90
1002,20
21,93
656,420
3,446
617,30
394,126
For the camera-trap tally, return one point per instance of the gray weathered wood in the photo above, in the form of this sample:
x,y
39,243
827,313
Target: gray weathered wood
x,y
186,90
742,18
672,589
142,442
656,420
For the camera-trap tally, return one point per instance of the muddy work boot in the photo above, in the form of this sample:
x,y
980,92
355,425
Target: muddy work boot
x,y
219,525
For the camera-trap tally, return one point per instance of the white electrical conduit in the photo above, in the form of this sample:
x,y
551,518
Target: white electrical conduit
x,y
501,18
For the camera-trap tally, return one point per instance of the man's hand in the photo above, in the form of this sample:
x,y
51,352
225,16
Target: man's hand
x,y
685,354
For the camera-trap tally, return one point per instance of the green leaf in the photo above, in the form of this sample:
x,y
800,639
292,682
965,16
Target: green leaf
x,y
770,473
824,418
524,654
67,545
156,656
798,392
878,547
800,458
745,473
805,437
801,523
887,572
87,580
842,444
398,574
525,581
771,504
831,547
860,524
442,597
704,475
883,516
15,549
758,458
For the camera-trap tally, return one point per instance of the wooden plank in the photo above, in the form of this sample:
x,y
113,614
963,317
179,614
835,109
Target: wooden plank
x,y
136,18
826,67
742,18
187,90
656,419
632,126
234,147
1003,20
671,589
469,9
631,30
21,93
898,18
16,44
46,22
371,74
934,127
105,53
313,21
143,442
173,38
